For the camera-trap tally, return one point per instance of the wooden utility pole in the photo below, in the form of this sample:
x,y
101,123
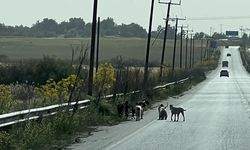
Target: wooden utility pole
x,y
92,52
181,48
175,40
190,52
193,52
181,44
201,50
207,49
175,37
97,45
187,41
165,34
148,45
186,54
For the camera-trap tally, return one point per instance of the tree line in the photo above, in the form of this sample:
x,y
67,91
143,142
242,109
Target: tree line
x,y
77,27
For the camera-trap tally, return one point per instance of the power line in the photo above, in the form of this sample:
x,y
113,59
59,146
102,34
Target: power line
x,y
219,18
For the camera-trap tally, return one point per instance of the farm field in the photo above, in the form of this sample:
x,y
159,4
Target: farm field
x,y
110,47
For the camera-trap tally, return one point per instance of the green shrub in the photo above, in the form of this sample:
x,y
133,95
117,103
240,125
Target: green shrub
x,y
5,140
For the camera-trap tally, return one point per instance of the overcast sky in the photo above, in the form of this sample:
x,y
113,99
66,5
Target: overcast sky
x,y
27,12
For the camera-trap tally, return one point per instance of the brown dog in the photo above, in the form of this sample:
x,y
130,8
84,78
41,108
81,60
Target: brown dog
x,y
176,112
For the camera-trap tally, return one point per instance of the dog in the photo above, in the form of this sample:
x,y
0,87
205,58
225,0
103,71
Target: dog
x,y
143,103
176,112
132,109
162,112
138,112
120,109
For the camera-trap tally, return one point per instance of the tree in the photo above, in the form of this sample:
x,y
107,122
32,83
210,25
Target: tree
x,y
200,35
219,36
108,27
87,31
244,40
132,30
47,27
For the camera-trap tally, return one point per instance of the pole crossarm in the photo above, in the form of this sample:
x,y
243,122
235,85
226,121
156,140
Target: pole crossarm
x,y
176,18
170,2
183,27
189,32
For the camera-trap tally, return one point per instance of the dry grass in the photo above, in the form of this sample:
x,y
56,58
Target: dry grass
x,y
129,48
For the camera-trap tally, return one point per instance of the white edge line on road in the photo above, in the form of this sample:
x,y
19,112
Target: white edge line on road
x,y
129,136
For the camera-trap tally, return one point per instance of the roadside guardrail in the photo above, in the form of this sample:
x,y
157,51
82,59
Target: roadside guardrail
x,y
36,113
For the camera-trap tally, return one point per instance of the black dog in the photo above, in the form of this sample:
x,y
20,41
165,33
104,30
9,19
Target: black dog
x,y
176,112
162,112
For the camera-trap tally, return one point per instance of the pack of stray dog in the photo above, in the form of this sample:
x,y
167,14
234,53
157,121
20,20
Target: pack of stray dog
x,y
175,111
136,110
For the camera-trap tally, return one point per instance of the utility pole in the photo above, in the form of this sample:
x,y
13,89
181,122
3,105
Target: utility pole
x,y
201,49
97,45
186,54
148,45
207,49
175,39
190,52
92,52
181,48
181,43
221,29
193,52
165,34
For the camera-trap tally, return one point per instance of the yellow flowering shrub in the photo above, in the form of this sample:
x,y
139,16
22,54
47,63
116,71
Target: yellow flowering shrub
x,y
104,78
52,91
6,99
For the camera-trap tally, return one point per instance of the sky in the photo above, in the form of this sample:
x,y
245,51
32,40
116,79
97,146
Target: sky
x,y
27,12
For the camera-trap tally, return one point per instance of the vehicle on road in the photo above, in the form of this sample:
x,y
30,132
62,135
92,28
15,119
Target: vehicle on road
x,y
228,54
224,63
224,73
227,46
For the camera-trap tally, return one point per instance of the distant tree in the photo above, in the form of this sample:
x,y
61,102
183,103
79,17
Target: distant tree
x,y
132,30
244,40
47,28
87,31
76,27
108,27
219,36
200,35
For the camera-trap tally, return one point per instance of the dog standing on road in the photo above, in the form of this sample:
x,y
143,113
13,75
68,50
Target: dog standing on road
x,y
138,112
176,112
162,112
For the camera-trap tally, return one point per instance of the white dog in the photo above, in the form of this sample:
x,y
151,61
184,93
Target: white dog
x,y
138,112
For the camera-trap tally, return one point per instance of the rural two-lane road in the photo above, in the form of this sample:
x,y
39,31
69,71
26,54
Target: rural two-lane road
x,y
217,118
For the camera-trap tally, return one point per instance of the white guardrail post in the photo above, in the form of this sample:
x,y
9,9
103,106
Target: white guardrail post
x,y
31,114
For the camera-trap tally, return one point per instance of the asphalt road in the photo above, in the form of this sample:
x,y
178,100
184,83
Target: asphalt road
x,y
217,118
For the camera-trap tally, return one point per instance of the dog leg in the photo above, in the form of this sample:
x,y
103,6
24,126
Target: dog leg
x,y
183,116
141,114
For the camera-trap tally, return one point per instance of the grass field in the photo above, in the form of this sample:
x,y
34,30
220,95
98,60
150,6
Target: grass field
x,y
128,48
